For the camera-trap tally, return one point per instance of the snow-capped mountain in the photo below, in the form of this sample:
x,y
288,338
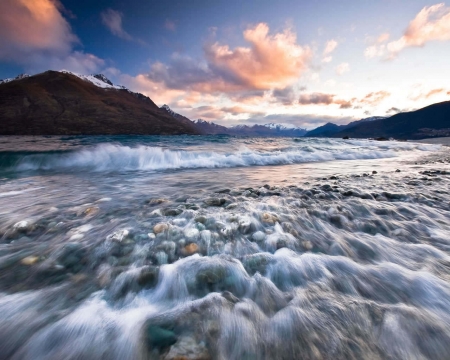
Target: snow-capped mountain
x,y
99,80
18,77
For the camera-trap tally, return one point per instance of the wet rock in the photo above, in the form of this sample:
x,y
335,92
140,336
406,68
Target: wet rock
x,y
374,172
159,338
183,198
171,212
230,297
70,256
148,276
160,228
22,226
161,258
398,170
259,236
307,245
91,211
191,249
200,219
119,235
191,234
223,191
269,218
154,202
187,348
29,260
214,201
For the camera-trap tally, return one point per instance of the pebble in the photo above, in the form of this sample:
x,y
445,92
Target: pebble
x,y
22,226
29,260
268,218
159,228
191,249
191,234
258,236
214,201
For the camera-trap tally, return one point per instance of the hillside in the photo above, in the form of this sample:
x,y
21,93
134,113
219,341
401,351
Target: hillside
x,y
62,103
431,121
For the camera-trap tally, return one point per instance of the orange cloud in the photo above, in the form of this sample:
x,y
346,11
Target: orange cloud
x,y
35,34
374,98
430,24
28,25
271,61
434,92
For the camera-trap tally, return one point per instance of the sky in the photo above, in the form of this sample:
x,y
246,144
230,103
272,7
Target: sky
x,y
294,62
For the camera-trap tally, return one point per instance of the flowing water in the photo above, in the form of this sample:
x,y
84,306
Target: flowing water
x,y
223,248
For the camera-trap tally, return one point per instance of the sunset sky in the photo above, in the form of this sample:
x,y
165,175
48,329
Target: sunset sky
x,y
294,62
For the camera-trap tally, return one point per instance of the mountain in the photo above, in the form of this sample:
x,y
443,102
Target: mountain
x,y
330,129
210,128
430,121
65,103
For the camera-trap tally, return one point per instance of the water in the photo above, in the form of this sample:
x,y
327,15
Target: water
x,y
223,248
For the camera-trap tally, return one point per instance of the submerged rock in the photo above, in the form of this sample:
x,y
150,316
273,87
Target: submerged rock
x,y
160,338
214,201
160,228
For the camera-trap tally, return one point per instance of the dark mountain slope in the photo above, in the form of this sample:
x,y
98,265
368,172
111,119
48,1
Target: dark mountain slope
x,y
59,103
433,120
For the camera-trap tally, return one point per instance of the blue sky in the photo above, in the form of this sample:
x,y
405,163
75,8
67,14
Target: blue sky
x,y
298,62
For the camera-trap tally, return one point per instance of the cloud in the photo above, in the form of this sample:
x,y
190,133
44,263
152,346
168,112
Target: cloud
x,y
371,99
434,92
170,25
430,24
112,19
270,61
35,34
285,96
330,46
327,59
394,110
342,68
383,38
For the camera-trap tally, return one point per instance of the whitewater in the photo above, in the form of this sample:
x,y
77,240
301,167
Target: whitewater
x,y
217,247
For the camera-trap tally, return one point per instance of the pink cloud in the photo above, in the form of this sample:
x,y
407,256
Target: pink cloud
x,y
270,61
430,24
35,34
112,19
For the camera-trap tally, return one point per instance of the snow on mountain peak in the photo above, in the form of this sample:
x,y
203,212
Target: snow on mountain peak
x,y
99,80
18,77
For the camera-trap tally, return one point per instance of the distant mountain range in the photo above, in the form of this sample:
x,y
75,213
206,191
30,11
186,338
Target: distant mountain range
x,y
330,129
210,128
65,103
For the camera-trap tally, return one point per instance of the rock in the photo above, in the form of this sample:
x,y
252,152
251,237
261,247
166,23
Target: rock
x,y
171,212
22,226
214,201
223,191
191,234
119,236
182,198
307,245
258,236
29,260
345,137
230,297
374,172
148,277
191,249
154,202
187,348
268,218
398,170
162,258
160,338
200,219
90,211
160,228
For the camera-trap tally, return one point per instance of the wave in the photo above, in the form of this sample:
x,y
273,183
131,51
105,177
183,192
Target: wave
x,y
110,157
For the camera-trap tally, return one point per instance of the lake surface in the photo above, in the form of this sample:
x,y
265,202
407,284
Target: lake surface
x,y
223,248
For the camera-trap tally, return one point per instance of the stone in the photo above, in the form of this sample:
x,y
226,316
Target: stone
x,y
160,338
119,235
268,218
374,172
258,236
223,191
191,249
398,170
191,234
160,228
171,212
22,226
200,219
29,260
156,201
214,201
307,245
162,258
90,211
187,348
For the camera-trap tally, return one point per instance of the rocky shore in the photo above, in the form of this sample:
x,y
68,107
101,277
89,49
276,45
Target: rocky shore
x,y
337,267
